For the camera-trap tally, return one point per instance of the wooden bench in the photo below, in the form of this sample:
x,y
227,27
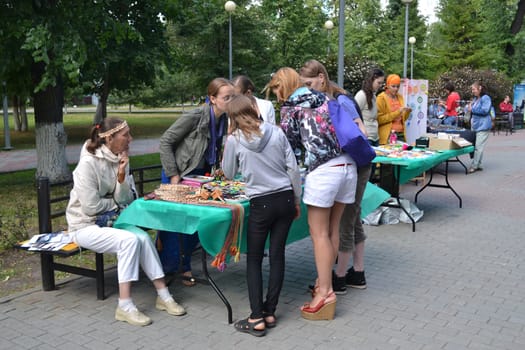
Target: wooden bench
x,y
52,206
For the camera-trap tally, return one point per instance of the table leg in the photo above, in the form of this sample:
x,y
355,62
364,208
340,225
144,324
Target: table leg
x,y
462,164
430,184
394,192
214,285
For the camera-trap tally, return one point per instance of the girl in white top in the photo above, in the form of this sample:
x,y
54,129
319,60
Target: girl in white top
x,y
244,86
366,100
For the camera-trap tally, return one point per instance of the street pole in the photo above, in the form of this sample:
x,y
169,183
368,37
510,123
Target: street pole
x,y
229,6
341,53
407,3
329,25
412,41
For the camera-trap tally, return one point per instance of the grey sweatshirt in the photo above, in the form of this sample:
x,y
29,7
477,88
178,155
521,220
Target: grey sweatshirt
x,y
266,162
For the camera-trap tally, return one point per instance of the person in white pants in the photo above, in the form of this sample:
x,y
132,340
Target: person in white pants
x,y
102,187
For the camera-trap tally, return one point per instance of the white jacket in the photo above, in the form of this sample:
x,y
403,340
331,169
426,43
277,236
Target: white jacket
x,y
96,189
266,109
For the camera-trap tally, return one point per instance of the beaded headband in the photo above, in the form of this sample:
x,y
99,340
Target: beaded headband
x,y
114,130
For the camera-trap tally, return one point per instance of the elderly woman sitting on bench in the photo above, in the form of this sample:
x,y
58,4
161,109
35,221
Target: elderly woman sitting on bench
x,y
102,187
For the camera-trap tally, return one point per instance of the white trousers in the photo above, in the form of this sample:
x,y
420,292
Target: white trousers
x,y
132,249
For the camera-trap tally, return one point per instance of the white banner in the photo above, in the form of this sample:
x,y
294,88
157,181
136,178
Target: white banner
x,y
415,93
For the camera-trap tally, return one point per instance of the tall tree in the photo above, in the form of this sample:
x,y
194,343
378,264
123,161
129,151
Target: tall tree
x,y
46,44
393,38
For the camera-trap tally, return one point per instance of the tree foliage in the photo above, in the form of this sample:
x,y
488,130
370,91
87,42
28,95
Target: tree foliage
x,y
497,84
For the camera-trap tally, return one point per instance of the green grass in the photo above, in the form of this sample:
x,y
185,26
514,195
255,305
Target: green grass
x,y
78,126
18,206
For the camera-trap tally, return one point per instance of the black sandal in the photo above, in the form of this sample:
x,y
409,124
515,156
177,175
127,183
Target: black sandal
x,y
188,280
269,324
244,326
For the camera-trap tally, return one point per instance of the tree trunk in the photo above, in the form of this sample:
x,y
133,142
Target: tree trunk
x,y
515,27
102,107
51,137
20,114
23,116
16,114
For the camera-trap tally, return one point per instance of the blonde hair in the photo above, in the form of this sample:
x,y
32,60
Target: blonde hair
x,y
243,116
286,80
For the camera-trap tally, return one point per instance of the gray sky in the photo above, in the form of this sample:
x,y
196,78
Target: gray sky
x,y
426,8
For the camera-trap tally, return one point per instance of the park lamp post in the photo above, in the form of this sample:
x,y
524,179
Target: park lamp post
x,y
230,6
412,41
341,45
328,25
405,40
7,136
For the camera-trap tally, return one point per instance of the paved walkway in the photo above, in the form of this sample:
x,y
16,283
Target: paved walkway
x,y
456,283
15,160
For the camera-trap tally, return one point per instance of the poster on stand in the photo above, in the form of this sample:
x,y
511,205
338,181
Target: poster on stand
x,y
519,97
415,94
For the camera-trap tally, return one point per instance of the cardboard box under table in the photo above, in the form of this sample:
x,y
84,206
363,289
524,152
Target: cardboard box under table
x,y
212,224
446,141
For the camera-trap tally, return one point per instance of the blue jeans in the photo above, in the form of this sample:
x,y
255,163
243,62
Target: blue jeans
x,y
169,252
168,243
107,219
450,120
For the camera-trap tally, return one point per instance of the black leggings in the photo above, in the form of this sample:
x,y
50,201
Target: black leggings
x,y
271,214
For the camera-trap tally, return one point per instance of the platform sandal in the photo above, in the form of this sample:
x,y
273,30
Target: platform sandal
x,y
324,310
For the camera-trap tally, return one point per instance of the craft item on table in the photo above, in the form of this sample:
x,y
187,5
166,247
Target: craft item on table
x,y
230,190
176,193
409,154
212,194
195,180
232,243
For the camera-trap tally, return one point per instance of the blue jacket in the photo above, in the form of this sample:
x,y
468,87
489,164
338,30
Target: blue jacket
x,y
480,120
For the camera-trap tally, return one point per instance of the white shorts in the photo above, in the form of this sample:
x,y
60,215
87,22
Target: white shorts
x,y
334,181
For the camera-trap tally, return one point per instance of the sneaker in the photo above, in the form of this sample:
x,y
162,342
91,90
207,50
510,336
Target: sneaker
x,y
134,317
170,306
338,284
355,279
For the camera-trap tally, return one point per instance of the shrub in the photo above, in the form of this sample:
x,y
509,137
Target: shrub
x,y
355,70
498,85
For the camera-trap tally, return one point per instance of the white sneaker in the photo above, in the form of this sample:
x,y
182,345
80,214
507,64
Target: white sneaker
x,y
170,306
134,317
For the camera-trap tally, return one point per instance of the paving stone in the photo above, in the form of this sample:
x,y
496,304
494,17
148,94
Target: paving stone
x,y
455,283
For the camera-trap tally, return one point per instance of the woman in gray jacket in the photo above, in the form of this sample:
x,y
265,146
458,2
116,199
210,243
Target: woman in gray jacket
x,y
192,145
262,154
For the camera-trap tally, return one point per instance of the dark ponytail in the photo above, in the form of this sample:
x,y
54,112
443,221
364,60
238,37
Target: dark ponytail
x,y
95,141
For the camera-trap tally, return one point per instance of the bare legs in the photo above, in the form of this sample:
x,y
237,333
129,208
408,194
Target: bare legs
x,y
324,231
343,259
124,290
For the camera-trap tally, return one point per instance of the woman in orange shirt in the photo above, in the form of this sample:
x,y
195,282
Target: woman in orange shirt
x,y
391,110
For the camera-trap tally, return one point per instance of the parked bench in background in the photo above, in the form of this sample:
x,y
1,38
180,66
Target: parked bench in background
x,y
52,202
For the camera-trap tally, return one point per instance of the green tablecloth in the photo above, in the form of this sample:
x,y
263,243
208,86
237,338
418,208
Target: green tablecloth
x,y
212,223
410,168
